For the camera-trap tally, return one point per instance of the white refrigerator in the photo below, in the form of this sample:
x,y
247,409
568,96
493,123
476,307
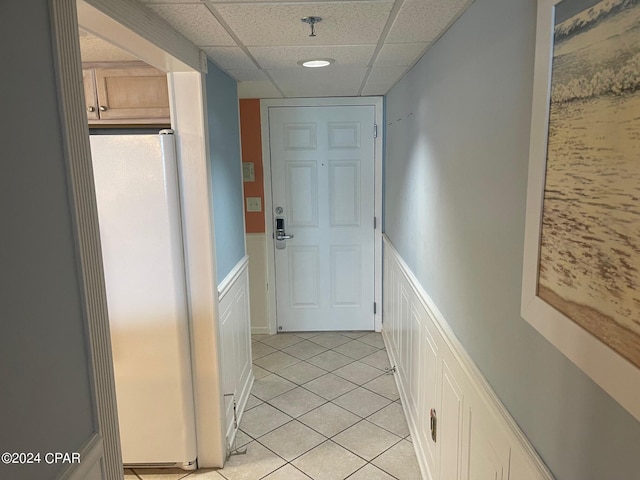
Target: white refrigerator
x,y
137,195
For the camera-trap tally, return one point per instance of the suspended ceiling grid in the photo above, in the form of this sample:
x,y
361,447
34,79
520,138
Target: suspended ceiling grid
x,y
373,42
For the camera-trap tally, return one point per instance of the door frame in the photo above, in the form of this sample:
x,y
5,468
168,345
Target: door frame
x,y
377,103
155,42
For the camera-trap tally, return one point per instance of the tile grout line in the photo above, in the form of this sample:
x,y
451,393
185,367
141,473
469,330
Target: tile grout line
x,y
326,402
360,419
302,385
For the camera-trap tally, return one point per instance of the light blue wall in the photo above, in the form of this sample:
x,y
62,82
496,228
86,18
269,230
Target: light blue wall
x,y
226,169
456,180
45,399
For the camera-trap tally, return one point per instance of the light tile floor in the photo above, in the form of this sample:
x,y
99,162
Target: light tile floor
x,y
323,408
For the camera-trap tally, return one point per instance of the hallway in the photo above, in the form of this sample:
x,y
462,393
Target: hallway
x,y
322,407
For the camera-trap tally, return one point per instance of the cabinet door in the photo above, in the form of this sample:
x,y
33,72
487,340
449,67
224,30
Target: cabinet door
x,y
90,101
132,93
451,404
487,460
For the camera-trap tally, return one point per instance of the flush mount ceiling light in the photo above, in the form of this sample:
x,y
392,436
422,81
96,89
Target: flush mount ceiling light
x,y
312,21
316,62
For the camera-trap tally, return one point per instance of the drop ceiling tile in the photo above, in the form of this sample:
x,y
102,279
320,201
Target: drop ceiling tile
x,y
346,23
287,57
248,75
376,88
424,20
263,89
230,58
195,22
320,82
386,74
399,54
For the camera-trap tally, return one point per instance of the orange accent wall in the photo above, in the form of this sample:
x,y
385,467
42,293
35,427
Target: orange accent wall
x,y
251,141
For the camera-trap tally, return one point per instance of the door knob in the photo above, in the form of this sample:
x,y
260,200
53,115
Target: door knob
x,y
91,109
103,108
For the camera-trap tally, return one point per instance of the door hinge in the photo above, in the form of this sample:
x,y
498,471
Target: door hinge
x,y
375,222
375,308
375,131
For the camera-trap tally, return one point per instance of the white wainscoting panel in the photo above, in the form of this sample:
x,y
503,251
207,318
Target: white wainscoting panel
x,y
235,333
91,466
476,438
257,251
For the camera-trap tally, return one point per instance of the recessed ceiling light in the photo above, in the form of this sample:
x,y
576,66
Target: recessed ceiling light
x,y
316,62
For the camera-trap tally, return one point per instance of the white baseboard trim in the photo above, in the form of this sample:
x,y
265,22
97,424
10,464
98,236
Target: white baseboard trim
x,y
435,371
241,405
259,330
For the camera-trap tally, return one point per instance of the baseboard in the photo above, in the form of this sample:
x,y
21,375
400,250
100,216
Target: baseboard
x,y
260,330
241,405
434,371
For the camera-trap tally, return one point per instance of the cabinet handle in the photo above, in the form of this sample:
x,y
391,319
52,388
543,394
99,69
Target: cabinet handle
x,y
103,108
91,109
433,424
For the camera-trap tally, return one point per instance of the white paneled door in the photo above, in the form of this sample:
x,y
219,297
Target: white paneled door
x,y
322,175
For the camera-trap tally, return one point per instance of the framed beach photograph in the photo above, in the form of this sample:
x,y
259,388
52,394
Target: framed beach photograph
x,y
581,275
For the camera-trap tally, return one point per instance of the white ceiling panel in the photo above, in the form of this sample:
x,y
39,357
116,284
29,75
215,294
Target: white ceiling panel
x,y
386,74
258,90
399,54
376,88
248,75
195,22
322,82
229,58
287,57
236,34
423,20
347,23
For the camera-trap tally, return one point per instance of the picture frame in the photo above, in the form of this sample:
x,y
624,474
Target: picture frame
x,y
614,373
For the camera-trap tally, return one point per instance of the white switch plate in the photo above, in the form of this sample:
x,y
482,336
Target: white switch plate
x,y
254,204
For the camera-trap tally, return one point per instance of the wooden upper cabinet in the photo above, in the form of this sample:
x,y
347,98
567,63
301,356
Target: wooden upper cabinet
x,y
127,96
